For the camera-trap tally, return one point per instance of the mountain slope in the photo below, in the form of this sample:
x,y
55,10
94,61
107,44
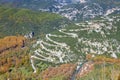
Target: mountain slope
x,y
23,21
90,9
75,10
31,4
72,43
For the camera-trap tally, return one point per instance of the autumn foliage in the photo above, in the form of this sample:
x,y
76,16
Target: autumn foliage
x,y
64,70
13,59
10,52
101,59
11,42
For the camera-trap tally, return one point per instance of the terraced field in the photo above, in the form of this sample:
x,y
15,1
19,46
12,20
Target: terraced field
x,y
71,44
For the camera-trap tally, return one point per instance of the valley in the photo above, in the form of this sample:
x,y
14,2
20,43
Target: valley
x,y
59,40
71,44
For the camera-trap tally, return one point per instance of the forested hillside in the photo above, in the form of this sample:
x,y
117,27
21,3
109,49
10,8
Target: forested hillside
x,y
23,21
